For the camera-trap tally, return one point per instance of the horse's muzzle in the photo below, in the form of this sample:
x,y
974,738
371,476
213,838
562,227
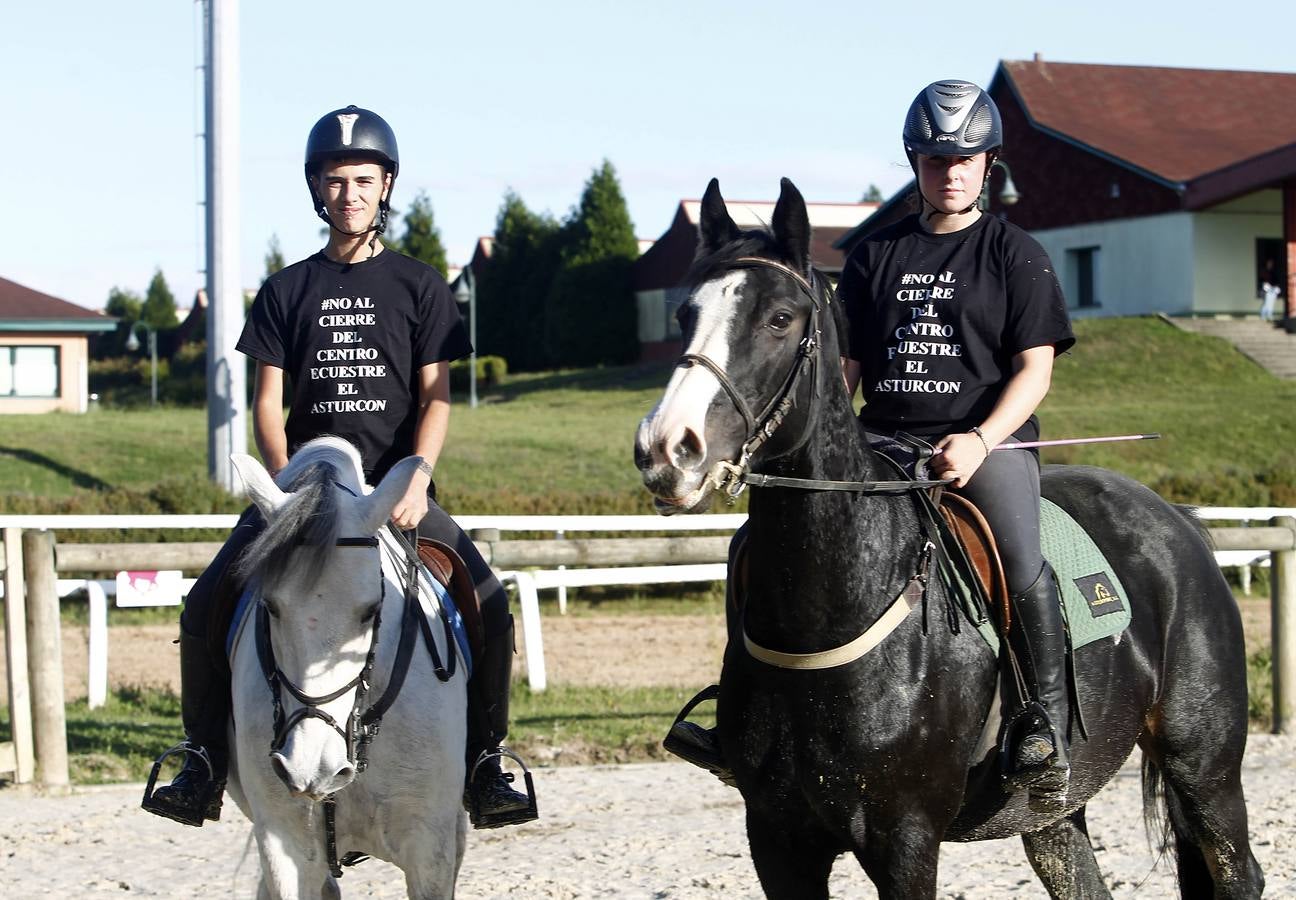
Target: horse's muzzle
x,y
328,772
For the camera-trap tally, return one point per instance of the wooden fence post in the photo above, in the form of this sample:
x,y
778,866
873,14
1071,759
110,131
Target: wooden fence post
x,y
45,659
1283,610
20,714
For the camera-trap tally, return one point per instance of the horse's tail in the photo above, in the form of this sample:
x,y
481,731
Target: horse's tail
x,y
1160,813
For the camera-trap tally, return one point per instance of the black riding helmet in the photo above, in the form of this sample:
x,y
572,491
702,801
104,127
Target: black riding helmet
x,y
352,133
953,118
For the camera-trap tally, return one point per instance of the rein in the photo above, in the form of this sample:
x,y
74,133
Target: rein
x,y
362,725
732,478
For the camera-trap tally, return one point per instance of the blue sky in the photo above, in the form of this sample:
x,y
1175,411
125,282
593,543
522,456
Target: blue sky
x,y
102,103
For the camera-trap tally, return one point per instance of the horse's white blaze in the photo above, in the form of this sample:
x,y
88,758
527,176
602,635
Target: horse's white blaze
x,y
691,389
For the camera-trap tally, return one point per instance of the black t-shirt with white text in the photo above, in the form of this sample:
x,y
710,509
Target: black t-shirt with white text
x,y
935,320
351,338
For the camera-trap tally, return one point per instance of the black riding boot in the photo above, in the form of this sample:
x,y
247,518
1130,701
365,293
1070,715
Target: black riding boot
x,y
1038,745
488,797
195,793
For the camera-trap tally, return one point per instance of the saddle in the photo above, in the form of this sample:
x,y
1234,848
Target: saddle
x,y
452,573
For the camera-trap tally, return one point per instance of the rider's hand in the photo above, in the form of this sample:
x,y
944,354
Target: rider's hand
x,y
414,505
961,455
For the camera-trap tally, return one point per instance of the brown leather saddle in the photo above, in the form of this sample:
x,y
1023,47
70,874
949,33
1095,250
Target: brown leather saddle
x,y
452,573
972,533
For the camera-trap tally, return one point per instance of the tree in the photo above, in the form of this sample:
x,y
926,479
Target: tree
x,y
513,288
159,310
590,316
274,258
422,239
872,195
124,306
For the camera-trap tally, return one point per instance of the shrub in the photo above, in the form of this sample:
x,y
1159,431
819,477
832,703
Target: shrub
x,y
491,372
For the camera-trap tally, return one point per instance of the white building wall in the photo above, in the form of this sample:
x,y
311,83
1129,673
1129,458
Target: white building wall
x,y
1142,265
1181,263
1224,238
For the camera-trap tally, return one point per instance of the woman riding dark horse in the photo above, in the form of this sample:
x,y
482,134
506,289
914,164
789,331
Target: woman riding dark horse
x,y
955,319
857,708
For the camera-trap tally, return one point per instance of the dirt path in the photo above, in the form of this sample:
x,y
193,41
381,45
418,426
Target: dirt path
x,y
658,830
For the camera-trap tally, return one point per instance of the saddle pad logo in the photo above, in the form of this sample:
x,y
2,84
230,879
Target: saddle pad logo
x,y
1099,594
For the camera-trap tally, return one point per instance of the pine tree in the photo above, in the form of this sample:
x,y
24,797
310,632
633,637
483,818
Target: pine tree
x,y
512,290
274,258
590,316
872,195
124,306
159,309
422,239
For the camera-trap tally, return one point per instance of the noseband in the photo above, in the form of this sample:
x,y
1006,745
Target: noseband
x,y
730,476
362,725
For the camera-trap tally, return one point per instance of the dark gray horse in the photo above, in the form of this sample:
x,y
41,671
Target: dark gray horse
x,y
882,756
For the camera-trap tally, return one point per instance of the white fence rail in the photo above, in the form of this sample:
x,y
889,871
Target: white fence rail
x,y
533,566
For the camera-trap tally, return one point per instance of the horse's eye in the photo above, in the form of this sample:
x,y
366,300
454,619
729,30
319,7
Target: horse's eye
x,y
371,612
780,320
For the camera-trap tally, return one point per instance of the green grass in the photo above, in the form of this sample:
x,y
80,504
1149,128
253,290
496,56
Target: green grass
x,y
561,442
560,726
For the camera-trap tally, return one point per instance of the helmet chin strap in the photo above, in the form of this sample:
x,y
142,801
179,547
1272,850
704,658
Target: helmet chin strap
x,y
991,156
378,226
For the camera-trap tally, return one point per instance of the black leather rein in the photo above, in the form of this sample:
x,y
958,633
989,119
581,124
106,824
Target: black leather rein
x,y
733,477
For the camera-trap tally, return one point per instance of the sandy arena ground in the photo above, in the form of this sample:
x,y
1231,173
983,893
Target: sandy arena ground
x,y
657,830
662,830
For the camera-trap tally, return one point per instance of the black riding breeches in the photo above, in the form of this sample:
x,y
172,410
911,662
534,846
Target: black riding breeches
x,y
438,525
1006,489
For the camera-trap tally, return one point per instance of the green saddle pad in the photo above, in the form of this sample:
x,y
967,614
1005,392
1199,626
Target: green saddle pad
x,y
1093,600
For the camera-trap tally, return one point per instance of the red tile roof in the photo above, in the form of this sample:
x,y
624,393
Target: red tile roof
x,y
1176,124
19,302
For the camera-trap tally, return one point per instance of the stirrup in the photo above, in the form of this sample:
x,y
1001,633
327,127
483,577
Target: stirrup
x,y
482,819
682,741
1039,780
211,805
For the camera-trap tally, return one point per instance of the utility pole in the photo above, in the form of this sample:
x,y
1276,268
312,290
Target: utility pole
x,y
226,370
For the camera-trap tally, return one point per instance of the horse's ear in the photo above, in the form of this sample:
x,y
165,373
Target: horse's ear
x,y
792,226
377,507
716,228
260,486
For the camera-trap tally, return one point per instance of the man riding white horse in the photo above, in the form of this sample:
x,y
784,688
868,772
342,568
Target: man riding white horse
x,y
365,336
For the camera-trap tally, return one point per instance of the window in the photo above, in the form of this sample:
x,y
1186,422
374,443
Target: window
x,y
1082,266
29,372
675,298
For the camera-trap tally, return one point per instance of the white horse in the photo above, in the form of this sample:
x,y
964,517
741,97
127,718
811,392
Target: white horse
x,y
315,660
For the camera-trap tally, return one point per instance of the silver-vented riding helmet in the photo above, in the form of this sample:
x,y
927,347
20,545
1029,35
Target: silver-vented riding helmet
x,y
952,118
352,133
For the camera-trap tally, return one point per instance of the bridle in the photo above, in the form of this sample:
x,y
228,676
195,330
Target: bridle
x,y
362,725
733,476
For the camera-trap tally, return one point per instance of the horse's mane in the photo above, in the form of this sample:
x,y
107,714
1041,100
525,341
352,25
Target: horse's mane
x,y
756,242
308,520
